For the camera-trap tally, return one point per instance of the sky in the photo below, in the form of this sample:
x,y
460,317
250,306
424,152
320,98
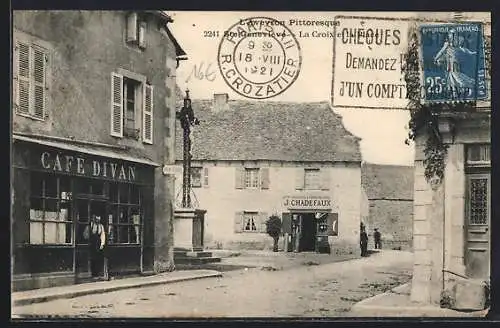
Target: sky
x,y
383,131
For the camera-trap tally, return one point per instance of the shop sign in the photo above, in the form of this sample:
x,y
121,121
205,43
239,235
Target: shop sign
x,y
307,202
74,164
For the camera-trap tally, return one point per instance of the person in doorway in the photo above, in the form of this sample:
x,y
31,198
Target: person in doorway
x,y
363,240
377,239
96,235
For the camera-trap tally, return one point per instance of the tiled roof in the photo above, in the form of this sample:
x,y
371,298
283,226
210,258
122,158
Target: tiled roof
x,y
387,181
262,130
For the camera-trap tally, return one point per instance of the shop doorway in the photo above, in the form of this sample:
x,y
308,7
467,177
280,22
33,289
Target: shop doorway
x,y
304,232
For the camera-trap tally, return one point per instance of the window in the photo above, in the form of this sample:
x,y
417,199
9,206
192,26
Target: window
x,y
312,179
130,97
30,79
250,221
479,153
251,178
50,210
478,200
124,217
136,30
196,177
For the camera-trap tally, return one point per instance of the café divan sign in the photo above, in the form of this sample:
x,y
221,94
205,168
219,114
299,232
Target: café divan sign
x,y
79,165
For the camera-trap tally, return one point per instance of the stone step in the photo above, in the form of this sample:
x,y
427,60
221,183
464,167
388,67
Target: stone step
x,y
199,254
195,260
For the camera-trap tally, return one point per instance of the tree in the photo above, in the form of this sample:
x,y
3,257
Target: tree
x,y
273,229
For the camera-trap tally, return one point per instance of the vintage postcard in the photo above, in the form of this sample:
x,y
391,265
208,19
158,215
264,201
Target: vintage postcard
x,y
203,164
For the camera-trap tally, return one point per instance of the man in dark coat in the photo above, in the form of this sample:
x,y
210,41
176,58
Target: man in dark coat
x,y
96,235
363,240
377,239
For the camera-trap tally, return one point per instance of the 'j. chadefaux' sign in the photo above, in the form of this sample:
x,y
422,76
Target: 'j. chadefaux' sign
x,y
453,62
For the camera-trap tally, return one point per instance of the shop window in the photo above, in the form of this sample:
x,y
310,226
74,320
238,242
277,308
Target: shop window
x,y
251,178
311,179
50,210
196,177
250,221
124,219
30,76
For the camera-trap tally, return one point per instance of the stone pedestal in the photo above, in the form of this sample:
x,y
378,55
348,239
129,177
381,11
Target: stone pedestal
x,y
188,229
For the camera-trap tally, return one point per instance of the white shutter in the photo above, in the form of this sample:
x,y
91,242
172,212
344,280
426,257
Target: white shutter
x,y
205,177
147,115
142,35
23,77
39,85
116,105
132,27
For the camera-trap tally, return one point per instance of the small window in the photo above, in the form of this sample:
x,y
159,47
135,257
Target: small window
x,y
251,178
196,177
136,30
250,221
478,154
312,179
130,103
30,79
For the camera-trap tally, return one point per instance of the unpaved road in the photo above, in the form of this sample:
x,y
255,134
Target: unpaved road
x,y
327,290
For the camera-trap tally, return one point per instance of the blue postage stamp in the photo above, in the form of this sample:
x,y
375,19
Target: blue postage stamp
x,y
453,62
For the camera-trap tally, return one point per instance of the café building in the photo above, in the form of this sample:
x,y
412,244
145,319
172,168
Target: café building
x,y
254,159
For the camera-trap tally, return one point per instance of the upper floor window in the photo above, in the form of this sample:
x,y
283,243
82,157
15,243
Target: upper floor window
x,y
252,178
129,98
312,179
30,79
136,30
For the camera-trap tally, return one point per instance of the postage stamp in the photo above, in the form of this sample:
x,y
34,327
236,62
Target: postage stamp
x,y
259,57
453,62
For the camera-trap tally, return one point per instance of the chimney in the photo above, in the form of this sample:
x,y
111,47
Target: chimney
x,y
221,102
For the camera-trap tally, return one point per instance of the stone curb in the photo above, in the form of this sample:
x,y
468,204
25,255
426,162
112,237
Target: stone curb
x,y
369,308
106,288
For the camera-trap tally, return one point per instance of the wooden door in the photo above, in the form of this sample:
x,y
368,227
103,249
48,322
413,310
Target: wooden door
x,y
477,252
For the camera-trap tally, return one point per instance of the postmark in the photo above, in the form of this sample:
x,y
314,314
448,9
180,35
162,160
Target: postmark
x,y
259,57
453,62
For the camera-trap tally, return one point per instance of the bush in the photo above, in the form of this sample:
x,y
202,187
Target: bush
x,y
273,229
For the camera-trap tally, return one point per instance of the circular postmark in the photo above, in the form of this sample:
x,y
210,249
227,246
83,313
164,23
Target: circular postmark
x,y
259,57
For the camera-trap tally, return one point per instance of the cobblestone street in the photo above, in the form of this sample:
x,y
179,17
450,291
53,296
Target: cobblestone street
x,y
326,290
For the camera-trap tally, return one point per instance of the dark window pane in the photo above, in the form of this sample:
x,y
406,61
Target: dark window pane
x,y
37,205
123,234
134,194
97,187
50,186
81,234
123,191
123,215
113,192
51,209
82,210
82,186
36,184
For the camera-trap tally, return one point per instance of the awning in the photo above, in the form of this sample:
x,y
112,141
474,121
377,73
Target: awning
x,y
91,150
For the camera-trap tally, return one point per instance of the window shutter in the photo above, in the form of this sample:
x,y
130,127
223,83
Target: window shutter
x,y
238,222
262,224
23,77
333,224
142,35
325,179
147,115
299,179
39,78
240,178
205,177
286,223
116,105
264,178
132,27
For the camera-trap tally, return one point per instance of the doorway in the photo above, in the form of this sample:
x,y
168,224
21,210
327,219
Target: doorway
x,y
477,257
304,232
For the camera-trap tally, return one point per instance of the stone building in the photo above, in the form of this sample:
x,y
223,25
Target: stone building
x,y
451,227
389,193
252,159
93,119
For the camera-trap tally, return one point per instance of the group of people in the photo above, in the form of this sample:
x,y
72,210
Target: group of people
x,y
363,240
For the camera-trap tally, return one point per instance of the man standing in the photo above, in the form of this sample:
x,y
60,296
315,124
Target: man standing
x,y
376,237
97,242
363,240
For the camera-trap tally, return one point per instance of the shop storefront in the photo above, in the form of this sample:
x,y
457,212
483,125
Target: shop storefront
x,y
56,189
308,222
